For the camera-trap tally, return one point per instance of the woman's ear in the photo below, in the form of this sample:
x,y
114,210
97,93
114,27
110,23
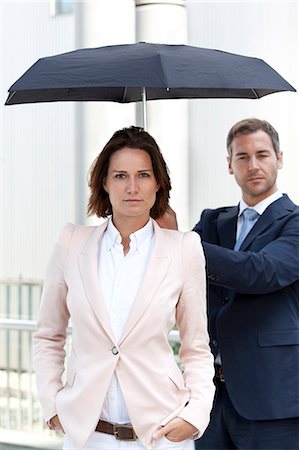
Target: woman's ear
x,y
105,185
158,187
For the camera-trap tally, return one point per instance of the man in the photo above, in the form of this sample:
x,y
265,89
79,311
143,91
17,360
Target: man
x,y
253,301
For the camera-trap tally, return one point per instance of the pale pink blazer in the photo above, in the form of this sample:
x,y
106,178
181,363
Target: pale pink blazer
x,y
155,390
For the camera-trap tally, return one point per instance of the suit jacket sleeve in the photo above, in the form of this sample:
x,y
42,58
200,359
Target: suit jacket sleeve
x,y
264,268
195,354
49,340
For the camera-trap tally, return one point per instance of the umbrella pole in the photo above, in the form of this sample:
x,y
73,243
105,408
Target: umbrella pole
x,y
144,114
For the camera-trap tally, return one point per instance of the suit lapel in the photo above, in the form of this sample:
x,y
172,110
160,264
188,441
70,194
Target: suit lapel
x,y
155,272
273,212
88,265
226,227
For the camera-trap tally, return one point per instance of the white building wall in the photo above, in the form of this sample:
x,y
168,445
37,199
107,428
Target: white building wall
x,y
37,141
264,29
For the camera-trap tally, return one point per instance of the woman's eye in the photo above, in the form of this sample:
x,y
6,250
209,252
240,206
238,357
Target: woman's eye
x,y
144,175
120,175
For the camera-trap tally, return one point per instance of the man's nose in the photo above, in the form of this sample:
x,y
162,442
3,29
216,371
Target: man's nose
x,y
253,164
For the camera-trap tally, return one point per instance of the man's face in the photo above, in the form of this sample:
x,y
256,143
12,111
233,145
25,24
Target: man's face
x,y
254,164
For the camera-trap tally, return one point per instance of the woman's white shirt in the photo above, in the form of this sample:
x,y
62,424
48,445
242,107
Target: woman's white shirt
x,y
120,277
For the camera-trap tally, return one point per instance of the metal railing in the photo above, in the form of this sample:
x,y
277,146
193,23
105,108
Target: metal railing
x,y
20,409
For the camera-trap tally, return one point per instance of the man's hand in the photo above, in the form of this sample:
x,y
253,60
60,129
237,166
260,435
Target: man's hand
x,y
176,430
54,424
168,220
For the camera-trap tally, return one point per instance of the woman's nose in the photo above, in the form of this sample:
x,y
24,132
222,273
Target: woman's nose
x,y
132,185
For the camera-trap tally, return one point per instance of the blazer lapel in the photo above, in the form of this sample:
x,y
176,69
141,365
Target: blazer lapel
x,y
273,212
88,264
226,227
156,269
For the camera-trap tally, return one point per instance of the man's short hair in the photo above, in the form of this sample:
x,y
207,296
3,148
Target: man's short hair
x,y
248,126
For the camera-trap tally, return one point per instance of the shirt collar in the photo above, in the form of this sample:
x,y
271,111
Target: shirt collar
x,y
261,206
113,236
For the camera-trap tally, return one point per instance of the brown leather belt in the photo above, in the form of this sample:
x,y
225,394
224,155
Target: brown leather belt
x,y
219,375
121,432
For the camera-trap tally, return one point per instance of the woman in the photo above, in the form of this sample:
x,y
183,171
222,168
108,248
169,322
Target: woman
x,y
125,284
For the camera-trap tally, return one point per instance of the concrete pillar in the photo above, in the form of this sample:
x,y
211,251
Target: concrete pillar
x,y
99,23
165,22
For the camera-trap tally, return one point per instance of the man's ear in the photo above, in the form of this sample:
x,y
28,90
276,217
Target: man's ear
x,y
229,166
280,159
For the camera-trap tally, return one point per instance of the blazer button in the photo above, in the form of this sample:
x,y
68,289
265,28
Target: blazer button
x,y
114,350
215,343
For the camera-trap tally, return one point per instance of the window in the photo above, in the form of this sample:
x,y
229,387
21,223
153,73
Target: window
x,y
61,7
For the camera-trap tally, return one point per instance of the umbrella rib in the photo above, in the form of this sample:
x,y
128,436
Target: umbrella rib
x,y
125,94
255,93
11,94
164,72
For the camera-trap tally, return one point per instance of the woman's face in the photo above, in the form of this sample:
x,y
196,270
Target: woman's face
x,y
131,184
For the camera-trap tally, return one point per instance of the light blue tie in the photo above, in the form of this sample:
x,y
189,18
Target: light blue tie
x,y
250,216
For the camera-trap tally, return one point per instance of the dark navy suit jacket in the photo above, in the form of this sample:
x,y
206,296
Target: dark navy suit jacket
x,y
253,307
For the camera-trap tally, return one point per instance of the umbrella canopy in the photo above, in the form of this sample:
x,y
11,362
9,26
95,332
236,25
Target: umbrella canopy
x,y
137,72
118,73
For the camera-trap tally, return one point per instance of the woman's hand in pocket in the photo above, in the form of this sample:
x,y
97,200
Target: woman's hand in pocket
x,y
176,430
54,424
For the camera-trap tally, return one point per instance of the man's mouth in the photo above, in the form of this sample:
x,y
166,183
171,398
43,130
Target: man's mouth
x,y
258,178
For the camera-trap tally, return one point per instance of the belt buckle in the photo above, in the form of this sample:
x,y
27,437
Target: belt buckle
x,y
221,377
219,373
115,432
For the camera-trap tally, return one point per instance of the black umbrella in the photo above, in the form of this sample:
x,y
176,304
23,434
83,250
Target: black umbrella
x,y
136,72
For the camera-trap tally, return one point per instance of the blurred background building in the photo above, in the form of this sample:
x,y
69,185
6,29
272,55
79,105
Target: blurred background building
x,y
46,149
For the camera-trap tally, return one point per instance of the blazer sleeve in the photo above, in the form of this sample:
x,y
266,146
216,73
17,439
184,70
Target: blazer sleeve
x,y
195,355
270,268
49,340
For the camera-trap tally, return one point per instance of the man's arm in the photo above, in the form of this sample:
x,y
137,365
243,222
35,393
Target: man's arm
x,y
271,268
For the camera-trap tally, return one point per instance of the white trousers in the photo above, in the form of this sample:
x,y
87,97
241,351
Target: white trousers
x,y
101,441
